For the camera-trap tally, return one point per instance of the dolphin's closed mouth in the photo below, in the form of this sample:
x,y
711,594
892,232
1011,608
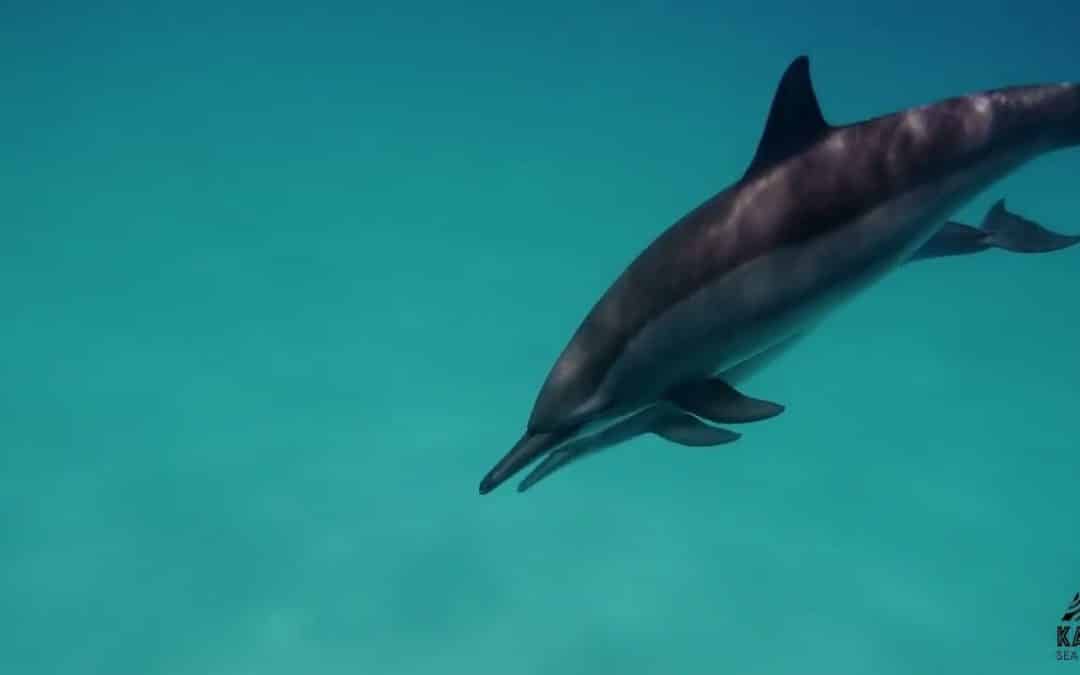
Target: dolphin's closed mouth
x,y
527,449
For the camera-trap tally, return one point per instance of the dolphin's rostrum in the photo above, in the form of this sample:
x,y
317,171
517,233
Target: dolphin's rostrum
x,y
821,213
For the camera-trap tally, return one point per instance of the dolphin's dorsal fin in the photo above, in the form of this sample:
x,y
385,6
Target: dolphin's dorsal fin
x,y
795,120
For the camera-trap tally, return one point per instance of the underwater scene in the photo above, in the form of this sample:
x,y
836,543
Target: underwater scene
x,y
328,347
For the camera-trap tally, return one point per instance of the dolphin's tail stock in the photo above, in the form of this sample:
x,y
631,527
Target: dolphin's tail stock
x,y
1001,229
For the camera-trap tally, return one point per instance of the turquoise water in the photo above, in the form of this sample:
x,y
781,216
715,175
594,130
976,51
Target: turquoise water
x,y
281,284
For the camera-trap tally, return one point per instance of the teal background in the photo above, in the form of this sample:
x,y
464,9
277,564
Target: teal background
x,y
280,284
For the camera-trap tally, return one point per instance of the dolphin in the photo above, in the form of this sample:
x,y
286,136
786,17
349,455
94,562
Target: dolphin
x,y
1000,229
822,213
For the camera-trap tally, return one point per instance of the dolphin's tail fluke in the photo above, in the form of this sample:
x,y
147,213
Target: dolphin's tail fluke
x,y
1013,232
1000,229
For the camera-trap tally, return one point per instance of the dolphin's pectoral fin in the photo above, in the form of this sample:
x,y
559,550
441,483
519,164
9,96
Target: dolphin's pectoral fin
x,y
1000,229
717,401
685,429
